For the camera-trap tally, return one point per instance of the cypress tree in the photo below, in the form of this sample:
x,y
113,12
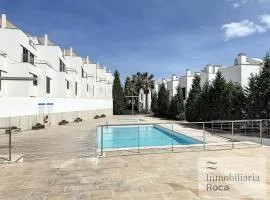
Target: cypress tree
x,y
163,101
217,97
234,101
118,95
204,103
252,93
192,104
154,103
177,109
172,112
258,94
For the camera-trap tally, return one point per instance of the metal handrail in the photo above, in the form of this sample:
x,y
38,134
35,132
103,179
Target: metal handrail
x,y
184,123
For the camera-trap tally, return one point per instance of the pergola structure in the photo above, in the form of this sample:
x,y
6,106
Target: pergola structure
x,y
132,102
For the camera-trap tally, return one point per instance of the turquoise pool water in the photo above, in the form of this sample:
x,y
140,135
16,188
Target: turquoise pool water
x,y
127,136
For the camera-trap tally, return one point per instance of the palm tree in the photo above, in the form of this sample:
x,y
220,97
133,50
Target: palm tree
x,y
147,84
139,81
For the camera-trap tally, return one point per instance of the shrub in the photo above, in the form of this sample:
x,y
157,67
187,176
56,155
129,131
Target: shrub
x,y
102,116
163,101
96,117
180,116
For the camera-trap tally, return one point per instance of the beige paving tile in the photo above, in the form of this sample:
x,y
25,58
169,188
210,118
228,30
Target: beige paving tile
x,y
59,164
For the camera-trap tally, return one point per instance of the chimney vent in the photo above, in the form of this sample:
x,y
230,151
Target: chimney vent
x,y
188,72
71,51
4,21
46,40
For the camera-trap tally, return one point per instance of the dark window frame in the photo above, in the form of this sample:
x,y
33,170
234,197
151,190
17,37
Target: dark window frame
x,y
184,92
76,88
35,82
83,73
62,66
25,54
48,85
28,56
0,79
67,84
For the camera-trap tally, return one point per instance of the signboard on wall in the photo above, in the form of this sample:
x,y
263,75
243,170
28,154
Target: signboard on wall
x,y
50,107
41,108
45,108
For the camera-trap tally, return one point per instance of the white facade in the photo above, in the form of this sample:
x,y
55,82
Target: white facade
x,y
242,69
185,82
239,73
43,72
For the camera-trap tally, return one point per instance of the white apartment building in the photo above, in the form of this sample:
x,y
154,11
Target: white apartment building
x,y
239,72
172,84
38,78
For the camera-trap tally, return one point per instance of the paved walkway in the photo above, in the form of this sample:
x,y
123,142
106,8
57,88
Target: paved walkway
x,y
75,140
59,165
157,176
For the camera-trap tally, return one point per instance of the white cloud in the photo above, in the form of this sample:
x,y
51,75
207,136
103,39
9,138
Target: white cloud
x,y
238,3
265,19
241,29
235,5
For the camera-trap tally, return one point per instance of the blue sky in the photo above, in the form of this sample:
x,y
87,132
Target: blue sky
x,y
162,37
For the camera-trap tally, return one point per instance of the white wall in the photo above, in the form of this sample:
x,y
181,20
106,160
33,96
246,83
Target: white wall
x,y
232,73
11,41
246,71
186,82
21,106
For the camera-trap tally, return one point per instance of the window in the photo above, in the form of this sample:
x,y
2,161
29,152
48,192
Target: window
x,y
35,82
76,88
48,85
87,88
25,54
28,56
82,73
32,58
184,92
1,72
67,84
93,90
62,66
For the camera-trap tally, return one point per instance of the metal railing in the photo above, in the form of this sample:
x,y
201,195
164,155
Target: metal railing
x,y
8,130
212,135
14,125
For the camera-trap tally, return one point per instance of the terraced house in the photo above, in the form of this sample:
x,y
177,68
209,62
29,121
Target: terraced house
x,y
40,79
239,72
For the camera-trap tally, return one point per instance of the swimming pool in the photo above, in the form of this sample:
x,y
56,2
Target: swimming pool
x,y
142,136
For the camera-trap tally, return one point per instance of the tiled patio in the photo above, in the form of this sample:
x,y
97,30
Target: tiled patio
x,y
150,176
59,164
